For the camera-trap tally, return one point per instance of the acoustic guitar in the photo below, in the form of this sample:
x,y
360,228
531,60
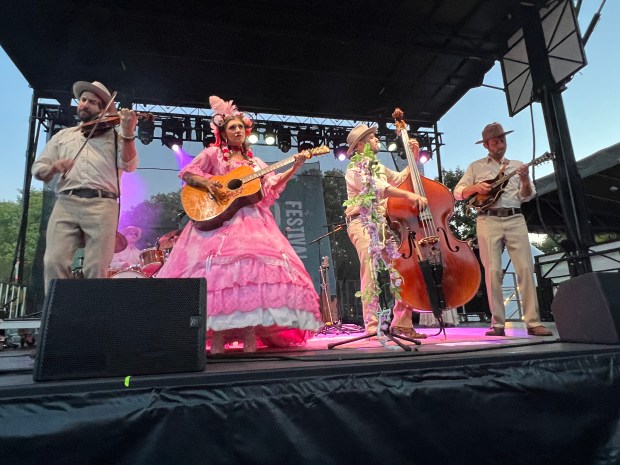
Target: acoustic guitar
x,y
482,202
240,187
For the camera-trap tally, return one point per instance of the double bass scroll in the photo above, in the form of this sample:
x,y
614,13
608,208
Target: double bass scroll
x,y
439,271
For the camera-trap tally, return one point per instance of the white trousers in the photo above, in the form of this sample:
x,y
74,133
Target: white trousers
x,y
493,233
74,223
361,241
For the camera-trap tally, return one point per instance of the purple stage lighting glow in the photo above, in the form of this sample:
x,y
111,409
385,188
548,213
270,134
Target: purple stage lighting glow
x,y
424,156
340,154
182,157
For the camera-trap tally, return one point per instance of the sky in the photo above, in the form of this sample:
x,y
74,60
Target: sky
x,y
591,102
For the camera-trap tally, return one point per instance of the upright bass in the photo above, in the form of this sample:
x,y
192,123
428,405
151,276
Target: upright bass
x,y
439,271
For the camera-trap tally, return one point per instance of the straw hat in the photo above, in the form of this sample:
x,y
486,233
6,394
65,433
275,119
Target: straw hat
x,y
492,130
357,134
129,229
95,87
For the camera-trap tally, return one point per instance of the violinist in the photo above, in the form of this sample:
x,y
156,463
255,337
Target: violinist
x,y
385,181
502,225
84,169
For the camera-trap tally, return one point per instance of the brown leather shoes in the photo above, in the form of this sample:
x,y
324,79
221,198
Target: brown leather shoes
x,y
539,331
407,332
495,332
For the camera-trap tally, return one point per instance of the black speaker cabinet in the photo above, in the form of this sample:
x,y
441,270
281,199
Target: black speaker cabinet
x,y
587,308
120,327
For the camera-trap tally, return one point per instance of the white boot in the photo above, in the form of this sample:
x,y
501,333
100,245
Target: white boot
x,y
249,339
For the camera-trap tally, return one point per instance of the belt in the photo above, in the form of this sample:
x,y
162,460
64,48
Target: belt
x,y
501,212
90,193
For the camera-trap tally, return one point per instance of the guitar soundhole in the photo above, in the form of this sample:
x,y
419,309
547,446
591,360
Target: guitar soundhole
x,y
234,184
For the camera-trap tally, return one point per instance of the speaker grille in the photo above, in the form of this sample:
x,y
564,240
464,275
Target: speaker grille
x,y
120,327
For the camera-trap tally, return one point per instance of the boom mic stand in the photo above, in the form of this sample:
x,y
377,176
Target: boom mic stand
x,y
388,333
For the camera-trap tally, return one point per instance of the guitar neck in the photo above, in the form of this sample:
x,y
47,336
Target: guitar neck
x,y
506,177
269,169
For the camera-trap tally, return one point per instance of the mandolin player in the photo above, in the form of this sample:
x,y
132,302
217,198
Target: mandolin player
x,y
501,223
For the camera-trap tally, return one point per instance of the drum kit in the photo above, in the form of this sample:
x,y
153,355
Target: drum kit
x,y
151,259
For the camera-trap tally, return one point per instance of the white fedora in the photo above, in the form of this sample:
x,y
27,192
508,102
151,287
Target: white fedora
x,y
95,87
357,134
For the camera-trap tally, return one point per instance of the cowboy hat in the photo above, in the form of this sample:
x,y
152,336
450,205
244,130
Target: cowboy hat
x,y
135,229
492,130
95,87
357,134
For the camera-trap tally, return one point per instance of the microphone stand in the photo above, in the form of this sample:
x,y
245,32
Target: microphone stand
x,y
331,326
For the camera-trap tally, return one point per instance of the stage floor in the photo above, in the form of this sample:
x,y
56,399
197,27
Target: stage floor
x,y
462,345
462,399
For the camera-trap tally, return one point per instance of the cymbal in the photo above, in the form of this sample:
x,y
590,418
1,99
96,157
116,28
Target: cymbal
x,y
168,240
120,243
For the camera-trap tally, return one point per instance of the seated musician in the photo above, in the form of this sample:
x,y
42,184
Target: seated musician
x,y
258,289
130,257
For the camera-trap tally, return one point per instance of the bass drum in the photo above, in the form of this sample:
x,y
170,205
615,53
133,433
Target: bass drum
x,y
128,274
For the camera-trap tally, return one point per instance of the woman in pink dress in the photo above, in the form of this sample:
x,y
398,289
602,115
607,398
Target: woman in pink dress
x,y
257,287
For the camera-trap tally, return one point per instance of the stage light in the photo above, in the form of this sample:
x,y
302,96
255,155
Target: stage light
x,y
425,155
426,151
172,142
392,146
341,154
337,140
284,139
270,136
146,129
207,140
253,137
307,139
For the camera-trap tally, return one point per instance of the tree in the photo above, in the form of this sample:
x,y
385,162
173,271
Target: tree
x,y
343,252
10,217
463,222
155,216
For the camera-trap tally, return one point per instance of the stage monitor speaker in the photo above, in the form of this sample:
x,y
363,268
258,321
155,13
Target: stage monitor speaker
x,y
95,328
587,308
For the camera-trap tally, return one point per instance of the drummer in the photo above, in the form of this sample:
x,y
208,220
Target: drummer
x,y
130,257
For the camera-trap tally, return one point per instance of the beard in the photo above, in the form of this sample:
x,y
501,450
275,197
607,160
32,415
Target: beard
x,y
85,116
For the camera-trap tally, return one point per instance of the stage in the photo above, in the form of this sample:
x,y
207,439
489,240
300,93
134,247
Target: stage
x,y
466,398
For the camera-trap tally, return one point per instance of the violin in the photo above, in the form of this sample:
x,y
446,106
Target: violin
x,y
100,125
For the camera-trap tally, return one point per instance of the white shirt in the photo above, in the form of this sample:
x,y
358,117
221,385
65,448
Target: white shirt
x,y
486,169
384,179
94,168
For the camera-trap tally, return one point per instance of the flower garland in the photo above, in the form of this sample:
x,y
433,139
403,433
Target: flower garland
x,y
382,252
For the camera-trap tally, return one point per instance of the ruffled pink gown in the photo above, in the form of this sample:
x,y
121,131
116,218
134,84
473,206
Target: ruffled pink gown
x,y
254,277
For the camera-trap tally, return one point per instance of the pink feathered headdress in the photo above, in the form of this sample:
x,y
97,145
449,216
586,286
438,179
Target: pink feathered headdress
x,y
222,110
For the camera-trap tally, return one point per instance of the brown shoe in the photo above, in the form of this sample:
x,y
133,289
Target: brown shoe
x,y
407,332
494,331
539,331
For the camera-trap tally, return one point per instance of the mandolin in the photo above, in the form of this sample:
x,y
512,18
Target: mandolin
x,y
482,202
240,187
